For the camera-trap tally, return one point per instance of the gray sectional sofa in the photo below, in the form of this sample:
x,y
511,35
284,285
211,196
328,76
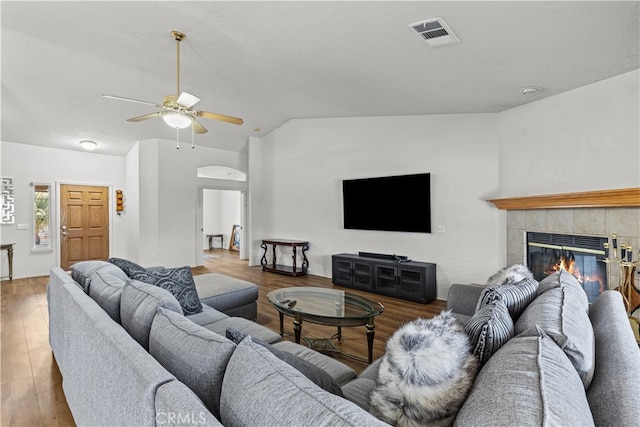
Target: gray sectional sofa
x,y
145,363
566,363
129,357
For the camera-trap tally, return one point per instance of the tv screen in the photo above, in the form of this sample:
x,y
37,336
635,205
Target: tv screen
x,y
390,203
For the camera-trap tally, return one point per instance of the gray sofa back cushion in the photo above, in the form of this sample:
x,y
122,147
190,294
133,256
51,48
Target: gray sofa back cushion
x,y
195,355
175,394
82,271
528,382
106,290
138,306
260,390
560,312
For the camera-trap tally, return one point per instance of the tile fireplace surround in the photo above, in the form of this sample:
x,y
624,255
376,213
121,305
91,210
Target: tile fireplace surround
x,y
596,213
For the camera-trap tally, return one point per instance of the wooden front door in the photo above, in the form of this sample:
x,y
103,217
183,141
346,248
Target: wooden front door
x,y
84,224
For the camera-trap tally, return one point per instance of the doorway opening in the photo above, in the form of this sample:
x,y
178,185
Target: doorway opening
x,y
221,224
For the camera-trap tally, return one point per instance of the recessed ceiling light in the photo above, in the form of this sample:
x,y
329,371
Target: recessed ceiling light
x,y
88,145
256,129
530,90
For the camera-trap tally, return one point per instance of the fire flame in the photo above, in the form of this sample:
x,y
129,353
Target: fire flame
x,y
567,263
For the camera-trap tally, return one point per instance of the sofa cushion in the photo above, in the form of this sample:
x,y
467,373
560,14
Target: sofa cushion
x,y
138,306
223,292
528,382
106,290
337,370
207,316
564,279
174,394
489,329
127,266
246,326
261,390
315,374
178,281
515,295
426,372
82,271
560,312
195,355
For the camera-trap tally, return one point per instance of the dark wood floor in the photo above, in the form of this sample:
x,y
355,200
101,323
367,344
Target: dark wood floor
x,y
31,383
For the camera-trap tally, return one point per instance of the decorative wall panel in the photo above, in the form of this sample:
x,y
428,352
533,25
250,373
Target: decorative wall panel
x,y
8,207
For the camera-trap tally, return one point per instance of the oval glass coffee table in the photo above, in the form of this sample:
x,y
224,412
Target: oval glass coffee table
x,y
329,307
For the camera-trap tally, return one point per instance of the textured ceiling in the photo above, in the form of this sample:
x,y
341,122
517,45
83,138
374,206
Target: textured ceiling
x,y
269,62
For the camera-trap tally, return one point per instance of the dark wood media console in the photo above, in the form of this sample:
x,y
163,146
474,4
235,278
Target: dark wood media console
x,y
412,280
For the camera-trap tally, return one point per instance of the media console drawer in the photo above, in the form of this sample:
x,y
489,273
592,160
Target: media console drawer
x,y
412,280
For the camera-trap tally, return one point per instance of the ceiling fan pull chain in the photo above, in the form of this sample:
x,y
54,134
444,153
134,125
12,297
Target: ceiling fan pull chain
x,y
177,138
193,144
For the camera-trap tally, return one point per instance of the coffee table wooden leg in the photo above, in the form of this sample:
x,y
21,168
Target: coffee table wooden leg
x,y
339,333
297,329
281,324
371,331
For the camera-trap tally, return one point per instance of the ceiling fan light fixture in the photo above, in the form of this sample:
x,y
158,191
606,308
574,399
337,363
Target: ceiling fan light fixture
x,y
176,120
88,145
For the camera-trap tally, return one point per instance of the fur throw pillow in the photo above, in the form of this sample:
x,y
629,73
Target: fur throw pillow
x,y
425,374
509,275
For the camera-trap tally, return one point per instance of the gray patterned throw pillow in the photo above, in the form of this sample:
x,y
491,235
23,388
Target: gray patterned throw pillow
x,y
129,267
178,281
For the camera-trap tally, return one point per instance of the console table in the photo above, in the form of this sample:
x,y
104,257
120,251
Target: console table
x,y
291,270
216,236
9,248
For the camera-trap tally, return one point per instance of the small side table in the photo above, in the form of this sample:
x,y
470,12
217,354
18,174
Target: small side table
x,y
9,249
215,236
291,270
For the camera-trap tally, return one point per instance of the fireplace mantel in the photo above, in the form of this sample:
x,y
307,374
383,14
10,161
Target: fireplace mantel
x,y
625,197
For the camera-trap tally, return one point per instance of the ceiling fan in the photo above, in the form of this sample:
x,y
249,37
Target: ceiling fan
x,y
176,110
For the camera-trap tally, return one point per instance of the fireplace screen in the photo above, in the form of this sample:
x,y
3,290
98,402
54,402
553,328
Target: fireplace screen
x,y
581,256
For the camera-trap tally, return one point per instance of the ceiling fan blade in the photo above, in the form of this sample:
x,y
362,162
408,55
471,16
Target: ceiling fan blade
x,y
129,100
145,117
187,100
221,117
198,128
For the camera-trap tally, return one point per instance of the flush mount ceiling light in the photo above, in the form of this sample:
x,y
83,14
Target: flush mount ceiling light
x,y
88,145
530,90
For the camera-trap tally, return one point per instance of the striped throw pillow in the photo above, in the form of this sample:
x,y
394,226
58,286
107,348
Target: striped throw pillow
x,y
516,296
489,329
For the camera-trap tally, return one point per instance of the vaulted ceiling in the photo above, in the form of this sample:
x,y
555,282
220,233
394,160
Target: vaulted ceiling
x,y
269,62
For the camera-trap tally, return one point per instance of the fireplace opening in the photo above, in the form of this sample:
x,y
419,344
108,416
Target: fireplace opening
x,y
582,256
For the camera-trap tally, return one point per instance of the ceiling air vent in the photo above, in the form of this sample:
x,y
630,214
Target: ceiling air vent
x,y
435,32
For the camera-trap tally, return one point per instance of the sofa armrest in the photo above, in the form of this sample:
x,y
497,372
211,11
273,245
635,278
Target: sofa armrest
x,y
462,299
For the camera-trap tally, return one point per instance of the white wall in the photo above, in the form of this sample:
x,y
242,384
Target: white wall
x,y
28,163
169,191
221,213
581,140
304,162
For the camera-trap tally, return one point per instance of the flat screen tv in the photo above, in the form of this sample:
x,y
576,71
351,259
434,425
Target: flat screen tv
x,y
389,203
